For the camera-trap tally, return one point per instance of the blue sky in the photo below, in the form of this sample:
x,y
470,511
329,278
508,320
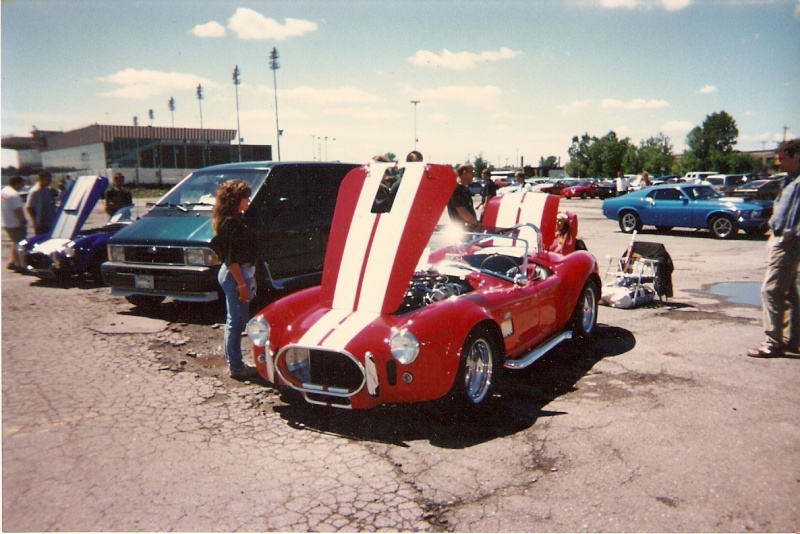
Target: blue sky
x,y
505,79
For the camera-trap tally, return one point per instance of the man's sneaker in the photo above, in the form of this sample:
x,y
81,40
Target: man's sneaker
x,y
245,373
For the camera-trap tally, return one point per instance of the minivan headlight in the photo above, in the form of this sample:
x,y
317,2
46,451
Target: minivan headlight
x,y
201,256
116,253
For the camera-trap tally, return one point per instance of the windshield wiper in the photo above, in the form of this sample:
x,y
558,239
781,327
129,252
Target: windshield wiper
x,y
197,204
170,205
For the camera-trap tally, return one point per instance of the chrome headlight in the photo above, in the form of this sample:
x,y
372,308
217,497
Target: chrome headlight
x,y
116,253
201,256
404,347
69,250
258,331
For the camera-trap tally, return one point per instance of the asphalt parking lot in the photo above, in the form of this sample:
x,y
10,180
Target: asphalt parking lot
x,y
118,420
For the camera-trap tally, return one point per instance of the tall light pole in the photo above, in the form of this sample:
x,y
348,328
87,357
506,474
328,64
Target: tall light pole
x,y
136,133
274,66
174,149
415,102
200,103
236,83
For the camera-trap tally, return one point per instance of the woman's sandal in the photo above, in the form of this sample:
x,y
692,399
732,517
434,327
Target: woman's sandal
x,y
764,351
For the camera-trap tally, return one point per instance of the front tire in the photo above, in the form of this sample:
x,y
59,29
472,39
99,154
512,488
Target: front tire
x,y
629,222
584,316
478,369
722,227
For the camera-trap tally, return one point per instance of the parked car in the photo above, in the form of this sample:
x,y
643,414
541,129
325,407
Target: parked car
x,y
476,187
167,253
607,189
761,189
386,327
726,183
583,189
79,201
689,206
83,254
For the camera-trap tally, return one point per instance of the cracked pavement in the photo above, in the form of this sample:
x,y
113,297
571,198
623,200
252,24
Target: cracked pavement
x,y
117,420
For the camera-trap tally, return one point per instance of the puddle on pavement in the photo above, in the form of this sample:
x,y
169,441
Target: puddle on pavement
x,y
745,293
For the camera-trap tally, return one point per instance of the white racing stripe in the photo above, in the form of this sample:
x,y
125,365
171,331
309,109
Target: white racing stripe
x,y
532,209
335,329
373,240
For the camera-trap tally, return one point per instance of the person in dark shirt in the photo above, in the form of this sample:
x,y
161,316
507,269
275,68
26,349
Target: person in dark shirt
x,y
779,291
489,189
117,196
236,248
460,207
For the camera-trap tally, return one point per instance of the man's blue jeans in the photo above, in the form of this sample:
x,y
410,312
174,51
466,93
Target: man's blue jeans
x,y
237,314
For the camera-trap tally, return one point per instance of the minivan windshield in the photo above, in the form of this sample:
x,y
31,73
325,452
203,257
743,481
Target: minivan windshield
x,y
199,188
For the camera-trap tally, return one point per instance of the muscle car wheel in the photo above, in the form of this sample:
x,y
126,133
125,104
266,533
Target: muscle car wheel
x,y
479,356
722,227
629,222
584,317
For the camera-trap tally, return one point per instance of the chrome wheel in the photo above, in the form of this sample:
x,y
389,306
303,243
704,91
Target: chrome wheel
x,y
478,370
722,227
584,318
629,222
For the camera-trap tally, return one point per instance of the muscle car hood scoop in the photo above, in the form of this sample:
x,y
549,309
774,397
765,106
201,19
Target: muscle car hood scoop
x,y
384,218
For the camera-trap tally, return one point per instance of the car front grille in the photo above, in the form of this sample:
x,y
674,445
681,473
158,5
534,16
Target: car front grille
x,y
37,260
328,371
155,255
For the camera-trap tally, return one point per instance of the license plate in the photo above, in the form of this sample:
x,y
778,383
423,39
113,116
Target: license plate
x,y
143,281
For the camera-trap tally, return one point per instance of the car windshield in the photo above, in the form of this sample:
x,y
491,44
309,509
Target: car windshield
x,y
199,188
701,192
502,254
128,214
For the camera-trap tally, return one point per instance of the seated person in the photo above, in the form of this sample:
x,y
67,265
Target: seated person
x,y
564,243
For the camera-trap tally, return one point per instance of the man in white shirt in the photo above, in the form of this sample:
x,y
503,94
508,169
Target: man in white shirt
x,y
622,184
13,214
521,185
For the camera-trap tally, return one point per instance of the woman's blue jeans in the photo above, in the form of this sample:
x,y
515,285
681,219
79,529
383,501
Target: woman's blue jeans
x,y
237,314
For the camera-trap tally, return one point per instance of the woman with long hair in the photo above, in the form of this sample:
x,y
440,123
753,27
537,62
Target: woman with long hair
x,y
237,250
564,242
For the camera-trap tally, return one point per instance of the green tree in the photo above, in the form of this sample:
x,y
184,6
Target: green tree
x,y
655,155
711,144
479,163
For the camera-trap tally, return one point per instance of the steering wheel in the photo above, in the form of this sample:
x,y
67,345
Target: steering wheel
x,y
501,261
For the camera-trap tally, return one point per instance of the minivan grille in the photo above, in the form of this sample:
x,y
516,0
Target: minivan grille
x,y
164,255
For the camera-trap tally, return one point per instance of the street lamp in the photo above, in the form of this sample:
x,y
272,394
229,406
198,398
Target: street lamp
x,y
174,149
415,102
200,104
236,83
274,66
136,133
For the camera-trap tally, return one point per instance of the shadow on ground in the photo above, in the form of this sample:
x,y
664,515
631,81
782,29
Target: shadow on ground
x,y
520,401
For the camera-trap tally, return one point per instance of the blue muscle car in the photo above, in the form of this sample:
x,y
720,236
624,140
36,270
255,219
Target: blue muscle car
x,y
689,206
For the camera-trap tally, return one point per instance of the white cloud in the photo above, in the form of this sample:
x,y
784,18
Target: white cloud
x,y
209,29
575,106
346,94
248,24
460,60
797,10
485,97
675,5
635,104
675,126
138,84
708,89
668,5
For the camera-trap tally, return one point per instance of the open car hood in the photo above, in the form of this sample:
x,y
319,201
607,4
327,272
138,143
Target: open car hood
x,y
77,205
375,244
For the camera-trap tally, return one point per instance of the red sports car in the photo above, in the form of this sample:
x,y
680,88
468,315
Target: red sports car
x,y
405,315
583,189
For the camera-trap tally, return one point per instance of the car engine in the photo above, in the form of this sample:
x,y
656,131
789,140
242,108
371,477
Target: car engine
x,y
428,287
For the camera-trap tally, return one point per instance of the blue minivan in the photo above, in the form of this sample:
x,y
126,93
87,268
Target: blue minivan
x,y
167,253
